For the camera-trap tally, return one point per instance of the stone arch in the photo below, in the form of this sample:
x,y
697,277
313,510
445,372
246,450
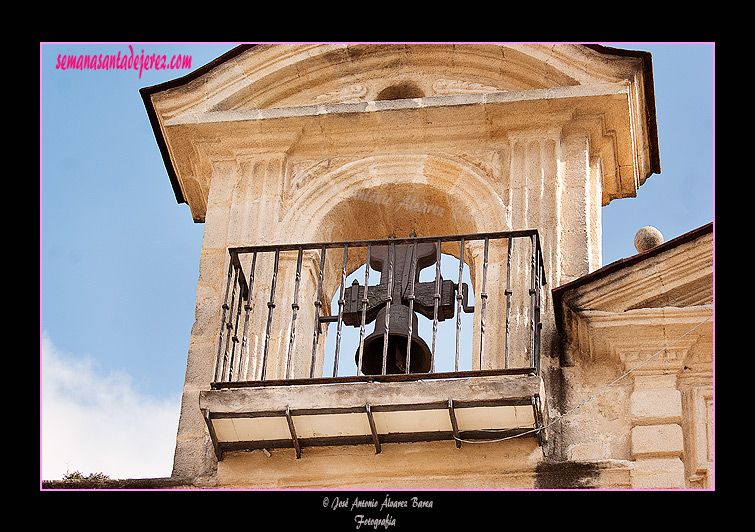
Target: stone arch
x,y
370,198
432,194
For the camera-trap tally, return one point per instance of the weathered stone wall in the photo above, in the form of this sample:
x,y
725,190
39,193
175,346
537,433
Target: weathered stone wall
x,y
641,343
297,144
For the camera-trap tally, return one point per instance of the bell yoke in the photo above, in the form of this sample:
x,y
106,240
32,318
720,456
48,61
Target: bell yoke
x,y
399,295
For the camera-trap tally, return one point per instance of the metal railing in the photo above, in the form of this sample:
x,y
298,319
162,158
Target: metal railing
x,y
397,299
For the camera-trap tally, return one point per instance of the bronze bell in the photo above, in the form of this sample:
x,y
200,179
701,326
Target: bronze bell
x,y
404,262
398,332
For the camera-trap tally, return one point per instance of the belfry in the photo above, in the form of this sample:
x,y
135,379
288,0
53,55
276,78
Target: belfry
x,y
448,197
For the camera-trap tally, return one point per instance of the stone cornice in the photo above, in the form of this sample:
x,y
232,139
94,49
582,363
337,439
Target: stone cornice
x,y
678,273
600,112
681,267
553,95
274,83
646,341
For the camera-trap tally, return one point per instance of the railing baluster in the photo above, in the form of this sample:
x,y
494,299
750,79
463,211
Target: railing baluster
x,y
508,293
364,308
532,301
391,254
318,304
458,303
247,308
234,337
483,298
436,302
294,312
233,363
229,325
410,297
340,309
242,286
219,361
540,271
270,307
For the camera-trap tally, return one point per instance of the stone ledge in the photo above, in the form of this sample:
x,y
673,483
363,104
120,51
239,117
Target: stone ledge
x,y
549,96
583,474
118,484
315,396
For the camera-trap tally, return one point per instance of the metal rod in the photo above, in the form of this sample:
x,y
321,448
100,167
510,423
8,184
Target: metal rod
x,y
270,307
372,427
213,435
364,310
454,424
538,420
532,301
458,303
391,253
538,325
218,361
410,297
247,308
229,325
294,313
393,239
436,302
508,301
541,271
484,299
292,430
318,304
340,309
234,337
232,360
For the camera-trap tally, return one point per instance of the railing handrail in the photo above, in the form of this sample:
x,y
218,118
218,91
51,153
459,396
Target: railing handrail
x,y
387,241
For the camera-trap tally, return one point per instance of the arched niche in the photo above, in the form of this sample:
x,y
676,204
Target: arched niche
x,y
374,197
369,199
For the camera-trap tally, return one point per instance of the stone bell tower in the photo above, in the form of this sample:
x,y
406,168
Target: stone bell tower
x,y
307,161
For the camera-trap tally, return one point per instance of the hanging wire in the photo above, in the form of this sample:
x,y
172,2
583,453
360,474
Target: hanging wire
x,y
590,398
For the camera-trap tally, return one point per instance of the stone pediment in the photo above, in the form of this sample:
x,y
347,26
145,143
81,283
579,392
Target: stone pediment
x,y
678,273
330,99
634,307
294,75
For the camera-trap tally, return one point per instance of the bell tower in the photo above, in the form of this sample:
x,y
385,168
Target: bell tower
x,y
337,182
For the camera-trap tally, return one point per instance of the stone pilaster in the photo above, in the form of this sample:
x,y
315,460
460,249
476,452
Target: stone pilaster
x,y
657,442
655,405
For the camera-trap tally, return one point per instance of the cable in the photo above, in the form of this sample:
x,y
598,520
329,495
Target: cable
x,y
585,401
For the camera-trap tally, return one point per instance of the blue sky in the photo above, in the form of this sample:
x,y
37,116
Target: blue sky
x,y
119,256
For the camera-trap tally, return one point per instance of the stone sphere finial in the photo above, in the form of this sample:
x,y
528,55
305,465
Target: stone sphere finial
x,y
647,238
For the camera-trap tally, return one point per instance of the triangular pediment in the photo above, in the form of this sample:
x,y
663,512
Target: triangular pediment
x,y
678,273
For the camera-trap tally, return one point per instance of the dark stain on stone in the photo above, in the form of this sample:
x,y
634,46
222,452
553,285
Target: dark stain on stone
x,y
566,475
556,386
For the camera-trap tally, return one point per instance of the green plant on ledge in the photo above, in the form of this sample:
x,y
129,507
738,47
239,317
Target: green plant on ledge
x,y
77,475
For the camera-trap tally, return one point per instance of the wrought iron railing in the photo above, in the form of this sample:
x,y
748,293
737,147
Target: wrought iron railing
x,y
272,301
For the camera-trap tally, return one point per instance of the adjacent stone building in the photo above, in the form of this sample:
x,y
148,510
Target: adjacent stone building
x,y
307,161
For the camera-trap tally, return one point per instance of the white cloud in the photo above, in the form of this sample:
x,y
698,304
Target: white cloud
x,y
99,424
